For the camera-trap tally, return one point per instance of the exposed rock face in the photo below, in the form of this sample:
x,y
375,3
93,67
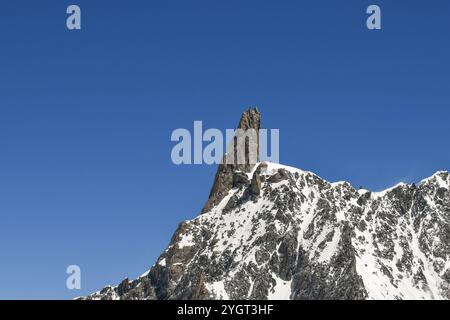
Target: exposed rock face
x,y
224,180
276,232
255,187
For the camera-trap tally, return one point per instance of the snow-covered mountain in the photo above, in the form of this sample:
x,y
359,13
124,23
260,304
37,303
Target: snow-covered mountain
x,y
270,231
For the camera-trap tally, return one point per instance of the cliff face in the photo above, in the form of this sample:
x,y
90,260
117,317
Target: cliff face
x,y
274,232
226,173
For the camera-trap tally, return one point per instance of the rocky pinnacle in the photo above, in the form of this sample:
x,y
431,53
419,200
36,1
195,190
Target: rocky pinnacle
x,y
226,172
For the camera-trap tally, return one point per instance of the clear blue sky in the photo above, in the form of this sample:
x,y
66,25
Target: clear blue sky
x,y
86,117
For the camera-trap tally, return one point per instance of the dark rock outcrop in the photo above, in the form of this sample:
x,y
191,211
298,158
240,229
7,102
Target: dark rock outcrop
x,y
226,173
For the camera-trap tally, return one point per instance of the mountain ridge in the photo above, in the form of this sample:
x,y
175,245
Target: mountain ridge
x,y
270,231
184,242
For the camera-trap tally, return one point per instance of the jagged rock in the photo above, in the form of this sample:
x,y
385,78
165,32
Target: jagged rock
x,y
302,237
250,119
231,204
255,186
223,181
262,168
240,179
199,291
279,176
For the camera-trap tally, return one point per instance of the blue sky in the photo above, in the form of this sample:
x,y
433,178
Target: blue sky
x,y
85,117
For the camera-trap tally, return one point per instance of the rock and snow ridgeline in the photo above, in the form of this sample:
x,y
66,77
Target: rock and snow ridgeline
x,y
270,231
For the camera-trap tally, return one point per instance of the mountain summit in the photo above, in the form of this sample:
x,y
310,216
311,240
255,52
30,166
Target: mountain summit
x,y
226,173
270,231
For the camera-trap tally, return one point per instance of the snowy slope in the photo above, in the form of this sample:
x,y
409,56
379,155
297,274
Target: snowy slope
x,y
283,233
